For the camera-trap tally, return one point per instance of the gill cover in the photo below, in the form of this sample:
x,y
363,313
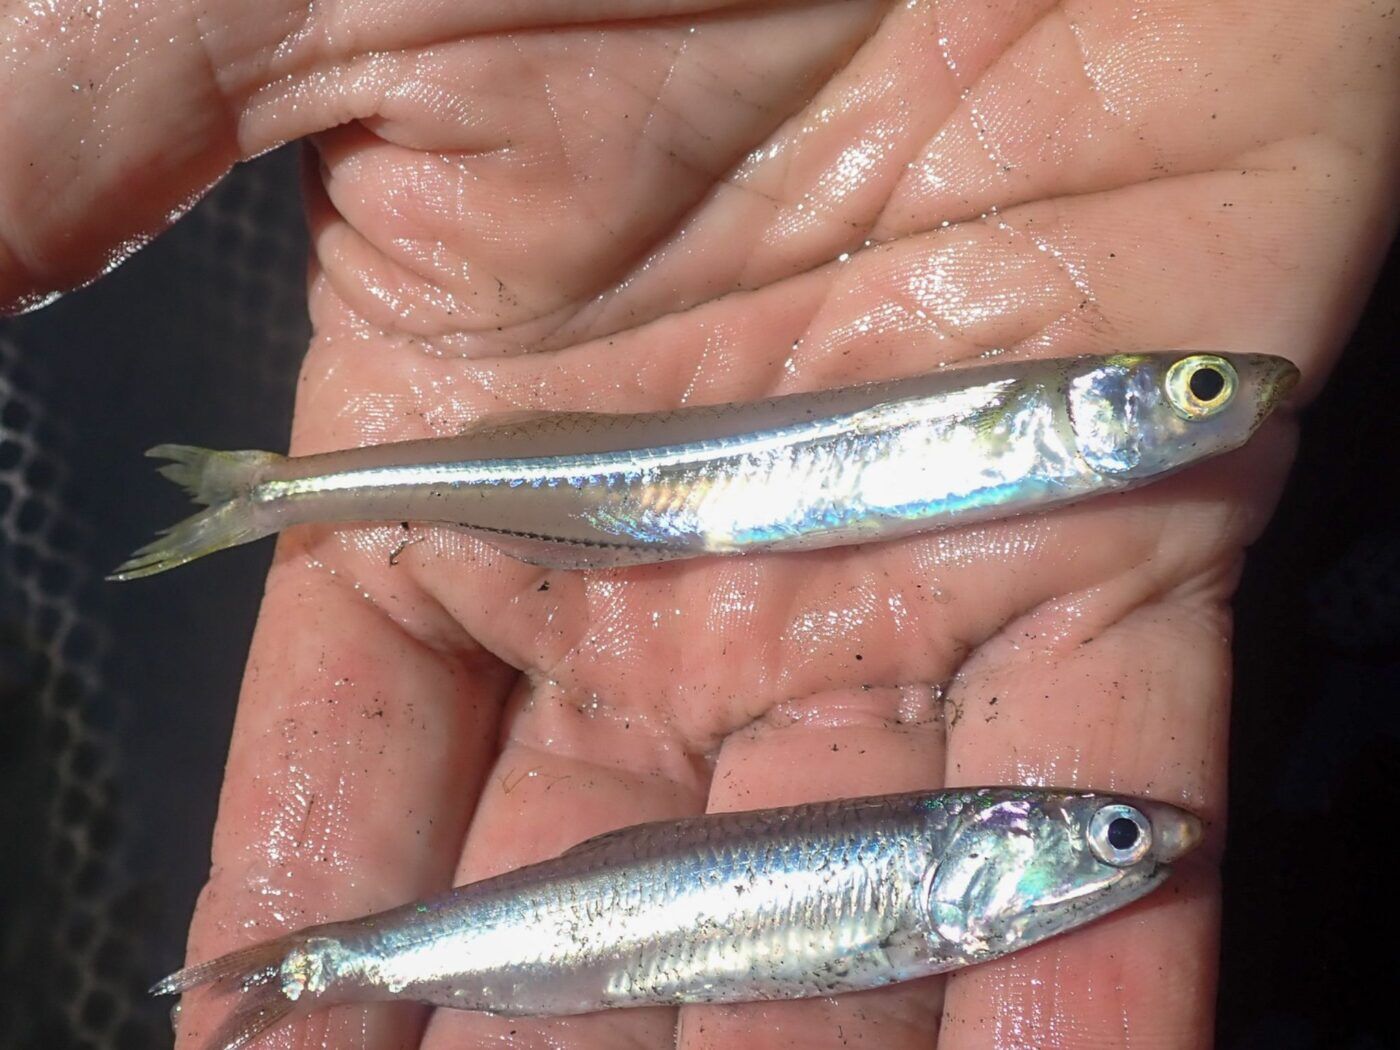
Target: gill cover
x,y
1022,870
1109,407
1137,416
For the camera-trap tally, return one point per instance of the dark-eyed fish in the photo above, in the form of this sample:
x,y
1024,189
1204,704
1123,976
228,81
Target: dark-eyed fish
x,y
790,903
581,490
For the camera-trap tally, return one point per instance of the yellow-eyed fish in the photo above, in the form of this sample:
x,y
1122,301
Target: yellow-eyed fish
x,y
582,490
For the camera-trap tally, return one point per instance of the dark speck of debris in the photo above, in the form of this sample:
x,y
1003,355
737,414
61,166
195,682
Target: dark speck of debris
x,y
544,586
403,545
859,657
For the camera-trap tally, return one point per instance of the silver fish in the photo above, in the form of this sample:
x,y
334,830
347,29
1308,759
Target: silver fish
x,y
585,490
790,903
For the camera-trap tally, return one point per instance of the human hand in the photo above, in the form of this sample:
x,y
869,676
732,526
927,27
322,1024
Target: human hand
x,y
658,209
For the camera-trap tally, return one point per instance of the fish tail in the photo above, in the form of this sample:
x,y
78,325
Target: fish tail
x,y
251,966
255,972
222,481
260,1011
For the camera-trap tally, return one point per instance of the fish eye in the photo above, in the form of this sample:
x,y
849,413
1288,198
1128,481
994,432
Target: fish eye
x,y
1120,835
1201,385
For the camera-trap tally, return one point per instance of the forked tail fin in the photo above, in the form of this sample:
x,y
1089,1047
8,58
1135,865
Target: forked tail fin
x,y
221,481
255,974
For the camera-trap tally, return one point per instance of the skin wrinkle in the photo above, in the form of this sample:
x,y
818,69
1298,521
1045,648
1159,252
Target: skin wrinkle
x,y
1087,62
566,313
524,735
653,100
228,108
667,238
560,138
1150,593
240,102
966,91
469,656
782,373
797,712
329,566
1221,579
646,251
585,16
860,232
553,672
434,347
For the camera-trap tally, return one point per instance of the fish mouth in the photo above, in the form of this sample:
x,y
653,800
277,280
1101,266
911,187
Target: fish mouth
x,y
1277,377
1282,377
1175,832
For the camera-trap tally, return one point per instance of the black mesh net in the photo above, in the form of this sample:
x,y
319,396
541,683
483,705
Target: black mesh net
x,y
105,816
67,943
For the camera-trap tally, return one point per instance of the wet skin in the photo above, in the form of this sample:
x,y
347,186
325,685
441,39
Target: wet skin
x,y
513,208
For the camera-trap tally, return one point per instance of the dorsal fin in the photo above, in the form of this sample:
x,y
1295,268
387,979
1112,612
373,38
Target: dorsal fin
x,y
590,844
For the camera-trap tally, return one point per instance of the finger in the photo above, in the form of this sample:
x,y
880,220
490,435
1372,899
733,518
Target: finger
x,y
1140,709
1120,688
129,112
1093,988
356,753
501,183
572,766
1094,97
1039,101
845,743
1090,274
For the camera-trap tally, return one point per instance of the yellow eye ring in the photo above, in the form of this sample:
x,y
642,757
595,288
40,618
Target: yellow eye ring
x,y
1201,385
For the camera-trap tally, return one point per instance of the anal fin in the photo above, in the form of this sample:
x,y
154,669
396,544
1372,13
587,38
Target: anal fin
x,y
551,553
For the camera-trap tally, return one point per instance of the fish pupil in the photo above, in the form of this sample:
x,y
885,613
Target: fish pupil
x,y
1206,384
1122,833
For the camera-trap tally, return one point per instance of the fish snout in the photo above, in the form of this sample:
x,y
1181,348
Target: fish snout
x,y
1175,832
1281,380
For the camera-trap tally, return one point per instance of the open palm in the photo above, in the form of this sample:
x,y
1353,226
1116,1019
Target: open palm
x,y
637,204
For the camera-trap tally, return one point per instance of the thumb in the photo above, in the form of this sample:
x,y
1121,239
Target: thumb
x,y
116,116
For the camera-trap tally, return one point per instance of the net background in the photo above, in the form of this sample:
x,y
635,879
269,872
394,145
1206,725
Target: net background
x,y
117,702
